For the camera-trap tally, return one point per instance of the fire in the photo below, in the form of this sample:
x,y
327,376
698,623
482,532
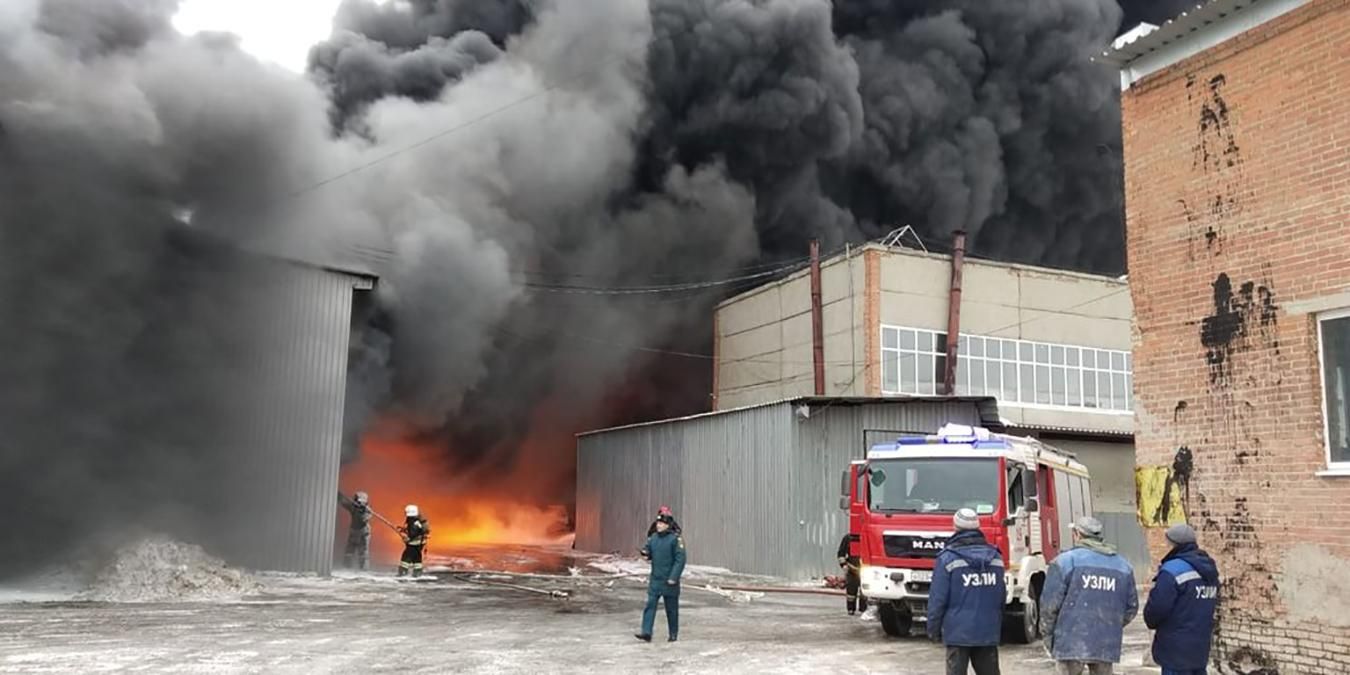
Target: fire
x,y
463,508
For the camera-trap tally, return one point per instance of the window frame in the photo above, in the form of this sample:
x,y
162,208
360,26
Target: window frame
x,y
1103,402
1333,467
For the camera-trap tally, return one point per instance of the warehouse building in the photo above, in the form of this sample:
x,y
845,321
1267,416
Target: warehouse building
x,y
1237,177
756,489
268,476
1052,346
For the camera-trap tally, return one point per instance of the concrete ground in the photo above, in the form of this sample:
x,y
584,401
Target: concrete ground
x,y
375,624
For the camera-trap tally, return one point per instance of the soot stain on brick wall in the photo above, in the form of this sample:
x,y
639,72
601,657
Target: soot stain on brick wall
x,y
1178,483
1216,145
1251,310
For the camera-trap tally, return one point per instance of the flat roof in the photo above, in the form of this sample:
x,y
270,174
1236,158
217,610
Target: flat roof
x,y
902,251
1147,48
988,407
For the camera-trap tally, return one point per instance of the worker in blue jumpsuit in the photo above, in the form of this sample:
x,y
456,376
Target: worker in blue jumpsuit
x,y
1181,606
666,551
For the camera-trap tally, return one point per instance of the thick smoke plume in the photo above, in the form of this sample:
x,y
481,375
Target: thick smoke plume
x,y
598,143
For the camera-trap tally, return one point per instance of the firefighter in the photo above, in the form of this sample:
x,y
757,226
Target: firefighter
x,y
1089,598
965,600
1181,605
666,551
664,511
856,601
357,552
414,532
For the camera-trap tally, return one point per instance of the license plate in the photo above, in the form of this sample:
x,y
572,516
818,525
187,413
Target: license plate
x,y
922,576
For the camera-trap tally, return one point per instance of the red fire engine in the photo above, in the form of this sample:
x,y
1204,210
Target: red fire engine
x,y
901,500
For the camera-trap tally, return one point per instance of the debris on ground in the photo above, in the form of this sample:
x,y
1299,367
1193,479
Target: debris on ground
x,y
163,570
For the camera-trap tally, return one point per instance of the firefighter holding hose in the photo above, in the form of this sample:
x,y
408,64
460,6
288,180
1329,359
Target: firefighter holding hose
x,y
414,533
357,552
852,564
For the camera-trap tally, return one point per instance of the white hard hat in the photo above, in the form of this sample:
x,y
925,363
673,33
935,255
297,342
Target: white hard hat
x,y
362,497
410,510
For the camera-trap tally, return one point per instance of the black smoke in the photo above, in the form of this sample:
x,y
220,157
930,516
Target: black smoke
x,y
598,144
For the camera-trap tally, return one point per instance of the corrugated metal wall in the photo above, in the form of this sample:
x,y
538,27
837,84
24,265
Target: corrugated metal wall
x,y
826,443
288,470
755,489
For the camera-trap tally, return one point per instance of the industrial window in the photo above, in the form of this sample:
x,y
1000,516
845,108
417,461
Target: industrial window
x,y
1017,372
1334,344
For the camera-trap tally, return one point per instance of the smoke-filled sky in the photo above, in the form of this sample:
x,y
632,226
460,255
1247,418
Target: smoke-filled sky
x,y
596,143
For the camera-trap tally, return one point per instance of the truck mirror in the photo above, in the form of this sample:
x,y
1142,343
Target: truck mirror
x,y
878,477
843,503
1029,482
844,484
1033,505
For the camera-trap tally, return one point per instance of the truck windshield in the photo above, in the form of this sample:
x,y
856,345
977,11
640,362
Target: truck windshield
x,y
934,485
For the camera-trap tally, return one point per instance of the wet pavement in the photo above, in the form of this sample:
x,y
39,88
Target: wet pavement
x,y
373,623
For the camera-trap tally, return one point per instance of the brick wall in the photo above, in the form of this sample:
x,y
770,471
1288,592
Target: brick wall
x,y
1237,181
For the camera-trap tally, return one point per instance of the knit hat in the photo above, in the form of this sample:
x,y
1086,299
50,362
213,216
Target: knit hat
x,y
1181,534
965,519
1089,527
663,511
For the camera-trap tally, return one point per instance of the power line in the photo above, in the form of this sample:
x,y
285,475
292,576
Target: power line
x,y
668,288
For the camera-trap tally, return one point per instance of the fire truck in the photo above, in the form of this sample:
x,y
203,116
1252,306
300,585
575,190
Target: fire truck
x,y
900,503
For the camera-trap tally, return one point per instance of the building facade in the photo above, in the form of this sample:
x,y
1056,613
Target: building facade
x,y
756,489
1237,179
1052,346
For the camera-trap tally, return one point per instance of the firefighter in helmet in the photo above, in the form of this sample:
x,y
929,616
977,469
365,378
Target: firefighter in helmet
x,y
855,601
357,552
414,532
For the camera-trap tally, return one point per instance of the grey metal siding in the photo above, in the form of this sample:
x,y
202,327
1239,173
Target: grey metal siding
x,y
287,474
827,442
756,489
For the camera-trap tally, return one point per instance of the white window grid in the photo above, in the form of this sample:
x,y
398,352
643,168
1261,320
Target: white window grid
x,y
1016,372
1335,390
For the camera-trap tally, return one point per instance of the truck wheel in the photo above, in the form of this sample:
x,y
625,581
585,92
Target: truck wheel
x,y
1022,623
895,621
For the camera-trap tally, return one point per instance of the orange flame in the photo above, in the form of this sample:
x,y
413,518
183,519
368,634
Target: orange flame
x,y
462,508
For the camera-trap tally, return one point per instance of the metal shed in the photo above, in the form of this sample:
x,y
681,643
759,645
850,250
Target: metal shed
x,y
272,502
756,489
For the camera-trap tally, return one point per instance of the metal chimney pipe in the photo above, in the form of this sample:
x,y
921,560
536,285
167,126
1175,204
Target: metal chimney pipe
x,y
817,321
954,312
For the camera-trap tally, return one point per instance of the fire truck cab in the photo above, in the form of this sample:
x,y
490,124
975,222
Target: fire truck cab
x,y
901,500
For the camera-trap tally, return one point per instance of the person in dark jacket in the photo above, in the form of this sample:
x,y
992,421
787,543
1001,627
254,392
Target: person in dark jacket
x,y
1088,599
965,600
666,551
414,532
356,555
1181,606
855,600
664,511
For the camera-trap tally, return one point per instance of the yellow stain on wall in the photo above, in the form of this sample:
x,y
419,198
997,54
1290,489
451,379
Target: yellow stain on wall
x,y
1151,488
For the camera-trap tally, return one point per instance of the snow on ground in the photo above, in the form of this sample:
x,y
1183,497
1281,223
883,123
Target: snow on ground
x,y
369,622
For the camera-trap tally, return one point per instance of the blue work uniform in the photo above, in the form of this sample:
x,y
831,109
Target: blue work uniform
x,y
1089,598
1180,609
966,598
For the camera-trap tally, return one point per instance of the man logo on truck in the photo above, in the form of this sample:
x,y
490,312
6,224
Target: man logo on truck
x,y
931,545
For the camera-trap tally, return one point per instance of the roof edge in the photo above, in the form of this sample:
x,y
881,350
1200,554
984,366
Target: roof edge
x,y
1143,51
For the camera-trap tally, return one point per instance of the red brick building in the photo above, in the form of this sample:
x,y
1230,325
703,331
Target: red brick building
x,y
1237,186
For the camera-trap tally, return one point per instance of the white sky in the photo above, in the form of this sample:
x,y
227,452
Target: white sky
x,y
281,31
